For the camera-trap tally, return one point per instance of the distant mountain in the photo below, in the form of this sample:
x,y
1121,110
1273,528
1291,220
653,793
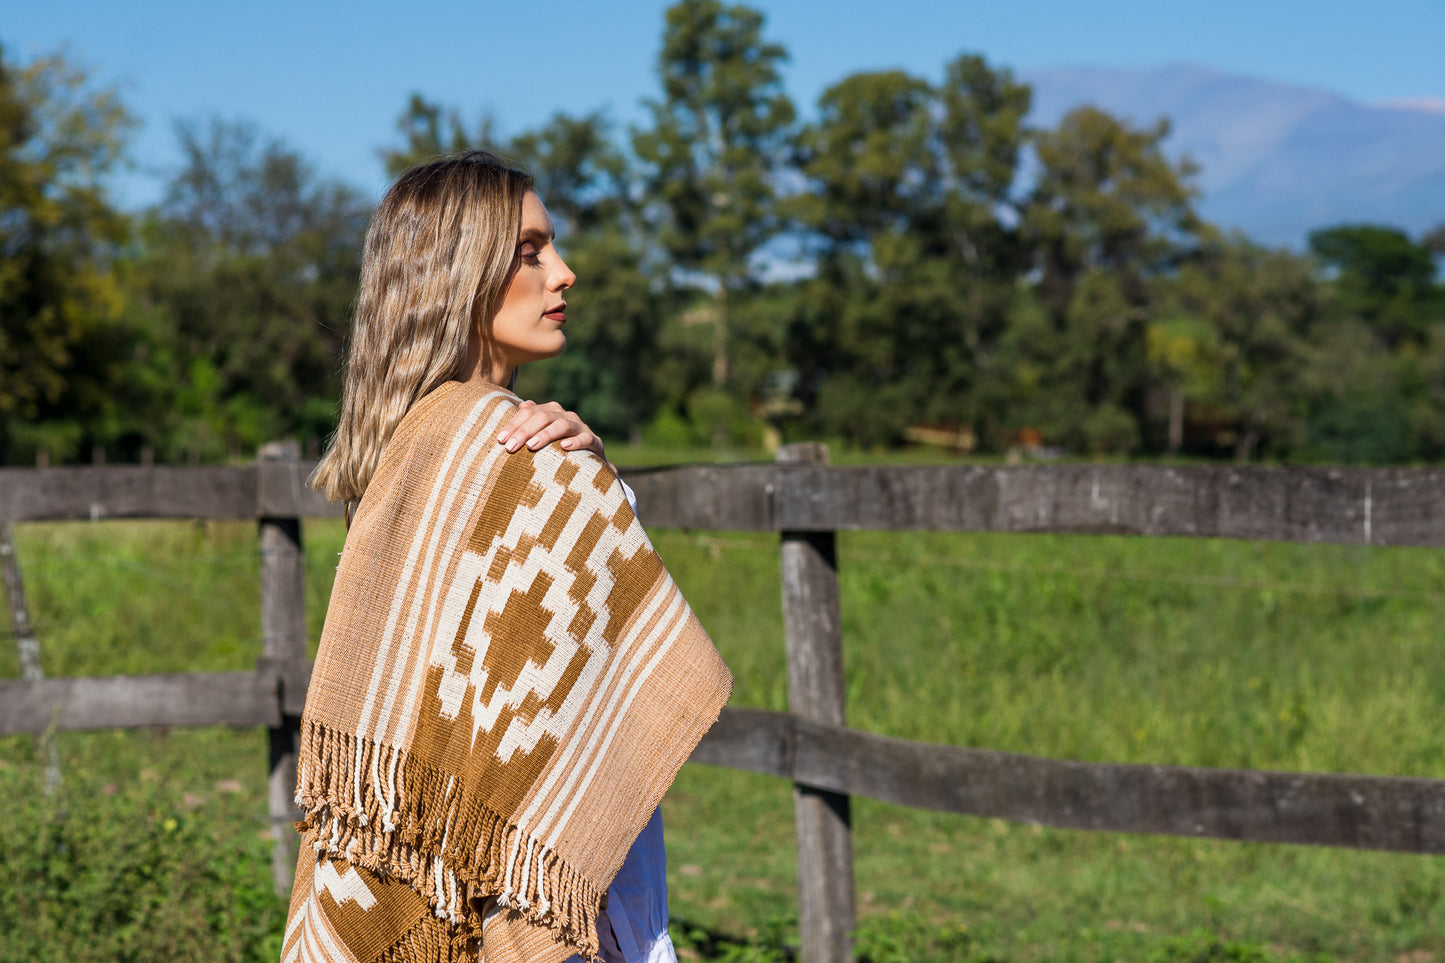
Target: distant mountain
x,y
1277,161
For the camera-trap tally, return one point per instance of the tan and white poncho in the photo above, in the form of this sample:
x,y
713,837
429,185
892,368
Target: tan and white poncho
x,y
508,681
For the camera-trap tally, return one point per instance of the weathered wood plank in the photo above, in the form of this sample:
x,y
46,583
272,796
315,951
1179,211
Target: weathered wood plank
x,y
282,491
726,497
1369,506
169,491
59,494
283,571
1373,506
130,701
1365,812
283,627
1376,506
812,629
27,646
753,740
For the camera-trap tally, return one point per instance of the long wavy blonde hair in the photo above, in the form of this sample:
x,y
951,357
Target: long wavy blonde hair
x,y
438,256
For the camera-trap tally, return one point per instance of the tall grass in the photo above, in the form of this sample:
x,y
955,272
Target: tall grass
x,y
1100,648
1110,649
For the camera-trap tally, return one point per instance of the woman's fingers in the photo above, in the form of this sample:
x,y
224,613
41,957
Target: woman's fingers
x,y
527,415
535,426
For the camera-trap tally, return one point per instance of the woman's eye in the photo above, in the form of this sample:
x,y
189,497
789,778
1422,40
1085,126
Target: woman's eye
x,y
529,253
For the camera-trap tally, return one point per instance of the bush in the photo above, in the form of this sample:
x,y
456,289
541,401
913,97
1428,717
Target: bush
x,y
1110,430
132,874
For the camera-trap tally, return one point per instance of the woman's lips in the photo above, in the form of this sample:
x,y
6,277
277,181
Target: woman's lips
x,y
558,313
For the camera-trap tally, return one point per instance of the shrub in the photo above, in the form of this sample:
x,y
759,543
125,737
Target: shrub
x,y
132,874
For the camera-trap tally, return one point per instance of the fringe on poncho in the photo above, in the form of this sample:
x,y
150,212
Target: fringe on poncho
x,y
507,683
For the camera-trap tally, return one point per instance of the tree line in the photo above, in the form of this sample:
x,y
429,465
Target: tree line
x,y
912,260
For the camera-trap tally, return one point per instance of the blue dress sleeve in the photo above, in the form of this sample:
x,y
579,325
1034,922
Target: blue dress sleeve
x,y
633,928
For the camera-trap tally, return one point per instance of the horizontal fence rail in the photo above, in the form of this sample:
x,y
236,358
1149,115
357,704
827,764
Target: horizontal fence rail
x,y
1323,809
131,701
121,491
1368,506
1365,812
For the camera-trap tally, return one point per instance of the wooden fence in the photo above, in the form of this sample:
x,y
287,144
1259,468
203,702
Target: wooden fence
x,y
807,501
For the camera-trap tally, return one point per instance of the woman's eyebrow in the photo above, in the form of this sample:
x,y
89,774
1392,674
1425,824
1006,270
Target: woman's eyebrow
x,y
535,234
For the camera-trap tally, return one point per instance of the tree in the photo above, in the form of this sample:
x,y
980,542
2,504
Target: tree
x,y
983,136
1108,215
1434,241
1248,314
908,196
1381,277
719,137
581,174
873,173
1373,392
61,320
430,131
246,274
870,157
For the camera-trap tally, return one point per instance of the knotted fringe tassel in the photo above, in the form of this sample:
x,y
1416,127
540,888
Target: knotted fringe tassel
x,y
431,942
395,817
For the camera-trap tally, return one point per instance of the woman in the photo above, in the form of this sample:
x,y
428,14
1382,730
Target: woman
x,y
508,680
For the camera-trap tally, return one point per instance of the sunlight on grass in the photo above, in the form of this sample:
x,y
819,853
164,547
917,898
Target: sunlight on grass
x,y
1195,652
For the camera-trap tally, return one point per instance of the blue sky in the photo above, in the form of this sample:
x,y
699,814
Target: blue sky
x,y
330,78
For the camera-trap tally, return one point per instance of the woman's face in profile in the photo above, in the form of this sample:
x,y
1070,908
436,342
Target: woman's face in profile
x,y
528,325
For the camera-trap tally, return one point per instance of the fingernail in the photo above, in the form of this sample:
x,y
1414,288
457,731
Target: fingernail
x,y
514,444
534,444
502,436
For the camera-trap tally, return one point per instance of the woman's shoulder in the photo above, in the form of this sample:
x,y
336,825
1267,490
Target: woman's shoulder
x,y
451,417
455,407
458,417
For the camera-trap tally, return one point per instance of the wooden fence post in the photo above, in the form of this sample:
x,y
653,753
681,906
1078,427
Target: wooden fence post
x,y
27,646
816,692
283,625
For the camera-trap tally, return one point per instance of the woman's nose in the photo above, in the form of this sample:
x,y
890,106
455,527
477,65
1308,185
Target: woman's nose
x,y
563,277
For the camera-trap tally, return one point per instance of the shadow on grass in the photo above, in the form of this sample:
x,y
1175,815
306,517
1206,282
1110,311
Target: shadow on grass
x,y
777,943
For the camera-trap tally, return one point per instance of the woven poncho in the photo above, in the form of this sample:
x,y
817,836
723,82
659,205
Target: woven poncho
x,y
507,683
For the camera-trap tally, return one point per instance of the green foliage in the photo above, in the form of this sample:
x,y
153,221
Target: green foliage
x,y
245,276
777,943
871,156
908,193
123,865
429,132
710,160
718,135
886,263
896,937
1107,197
62,331
1107,221
1249,314
1360,431
1382,277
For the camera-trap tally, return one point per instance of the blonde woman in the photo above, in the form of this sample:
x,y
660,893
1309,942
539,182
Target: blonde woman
x,y
508,680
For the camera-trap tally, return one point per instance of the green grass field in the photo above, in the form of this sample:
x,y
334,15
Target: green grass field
x,y
1098,648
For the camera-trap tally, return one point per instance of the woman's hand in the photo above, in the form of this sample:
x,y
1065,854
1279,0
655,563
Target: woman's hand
x,y
536,426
